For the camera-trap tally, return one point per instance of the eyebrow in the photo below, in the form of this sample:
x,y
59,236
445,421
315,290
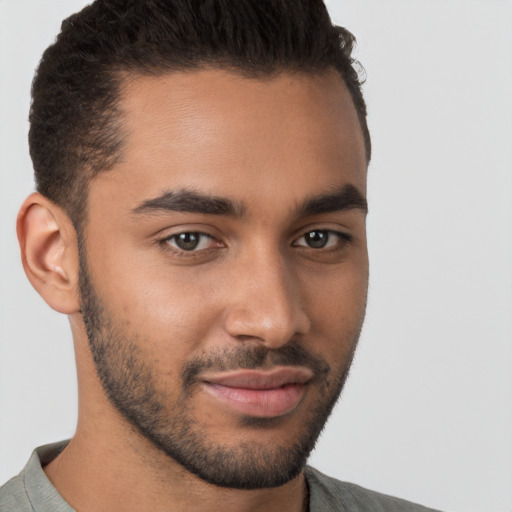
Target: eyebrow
x,y
190,202
345,198
348,197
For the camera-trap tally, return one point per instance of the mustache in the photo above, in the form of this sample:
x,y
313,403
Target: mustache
x,y
252,358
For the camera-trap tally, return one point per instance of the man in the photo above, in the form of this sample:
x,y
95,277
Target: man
x,y
200,217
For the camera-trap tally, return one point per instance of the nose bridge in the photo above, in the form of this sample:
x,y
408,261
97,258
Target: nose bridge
x,y
266,303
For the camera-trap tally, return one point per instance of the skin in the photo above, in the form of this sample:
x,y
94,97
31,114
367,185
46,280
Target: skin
x,y
268,146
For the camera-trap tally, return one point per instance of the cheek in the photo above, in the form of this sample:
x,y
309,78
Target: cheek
x,y
182,317
168,309
337,307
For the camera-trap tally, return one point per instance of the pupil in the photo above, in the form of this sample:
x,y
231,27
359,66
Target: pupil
x,y
187,241
317,239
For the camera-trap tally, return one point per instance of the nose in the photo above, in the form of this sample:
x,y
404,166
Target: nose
x,y
265,302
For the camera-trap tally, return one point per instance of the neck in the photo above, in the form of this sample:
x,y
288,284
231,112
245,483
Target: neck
x,y
117,479
122,471
108,466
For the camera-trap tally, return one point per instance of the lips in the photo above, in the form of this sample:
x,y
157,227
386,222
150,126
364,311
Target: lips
x,y
257,393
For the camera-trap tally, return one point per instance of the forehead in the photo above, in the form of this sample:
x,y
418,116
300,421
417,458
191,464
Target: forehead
x,y
225,134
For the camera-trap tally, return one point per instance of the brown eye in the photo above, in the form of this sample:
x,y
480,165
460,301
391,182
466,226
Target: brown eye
x,y
317,239
190,241
323,239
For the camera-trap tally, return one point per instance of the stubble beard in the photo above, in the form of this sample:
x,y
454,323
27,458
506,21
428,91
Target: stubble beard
x,y
129,384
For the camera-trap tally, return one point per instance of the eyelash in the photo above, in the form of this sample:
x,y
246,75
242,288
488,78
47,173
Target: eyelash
x,y
166,242
343,240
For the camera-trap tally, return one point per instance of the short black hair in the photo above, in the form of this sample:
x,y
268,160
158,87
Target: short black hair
x,y
75,131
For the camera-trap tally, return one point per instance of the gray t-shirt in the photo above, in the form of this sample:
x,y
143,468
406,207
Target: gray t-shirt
x,y
31,491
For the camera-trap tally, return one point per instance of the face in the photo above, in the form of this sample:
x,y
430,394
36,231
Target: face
x,y
224,269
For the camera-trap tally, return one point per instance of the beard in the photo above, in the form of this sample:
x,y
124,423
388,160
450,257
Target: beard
x,y
128,380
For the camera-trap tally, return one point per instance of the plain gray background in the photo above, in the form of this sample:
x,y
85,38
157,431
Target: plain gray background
x,y
427,412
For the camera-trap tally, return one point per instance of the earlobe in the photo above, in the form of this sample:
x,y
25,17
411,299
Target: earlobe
x,y
49,252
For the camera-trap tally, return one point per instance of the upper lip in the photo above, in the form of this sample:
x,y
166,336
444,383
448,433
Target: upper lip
x,y
260,379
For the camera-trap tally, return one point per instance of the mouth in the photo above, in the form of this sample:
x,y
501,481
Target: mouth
x,y
259,393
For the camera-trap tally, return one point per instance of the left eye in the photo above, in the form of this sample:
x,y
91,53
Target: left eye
x,y
190,241
321,239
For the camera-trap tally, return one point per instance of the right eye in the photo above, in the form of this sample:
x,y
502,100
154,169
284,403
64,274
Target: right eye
x,y
190,241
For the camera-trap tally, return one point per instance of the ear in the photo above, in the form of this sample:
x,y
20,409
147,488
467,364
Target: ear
x,y
49,252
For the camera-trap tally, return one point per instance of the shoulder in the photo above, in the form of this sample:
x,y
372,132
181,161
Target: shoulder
x,y
31,490
14,497
329,494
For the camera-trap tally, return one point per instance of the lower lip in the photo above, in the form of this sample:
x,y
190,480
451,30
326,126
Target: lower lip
x,y
259,403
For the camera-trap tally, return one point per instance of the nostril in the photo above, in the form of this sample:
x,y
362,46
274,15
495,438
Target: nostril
x,y
247,337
